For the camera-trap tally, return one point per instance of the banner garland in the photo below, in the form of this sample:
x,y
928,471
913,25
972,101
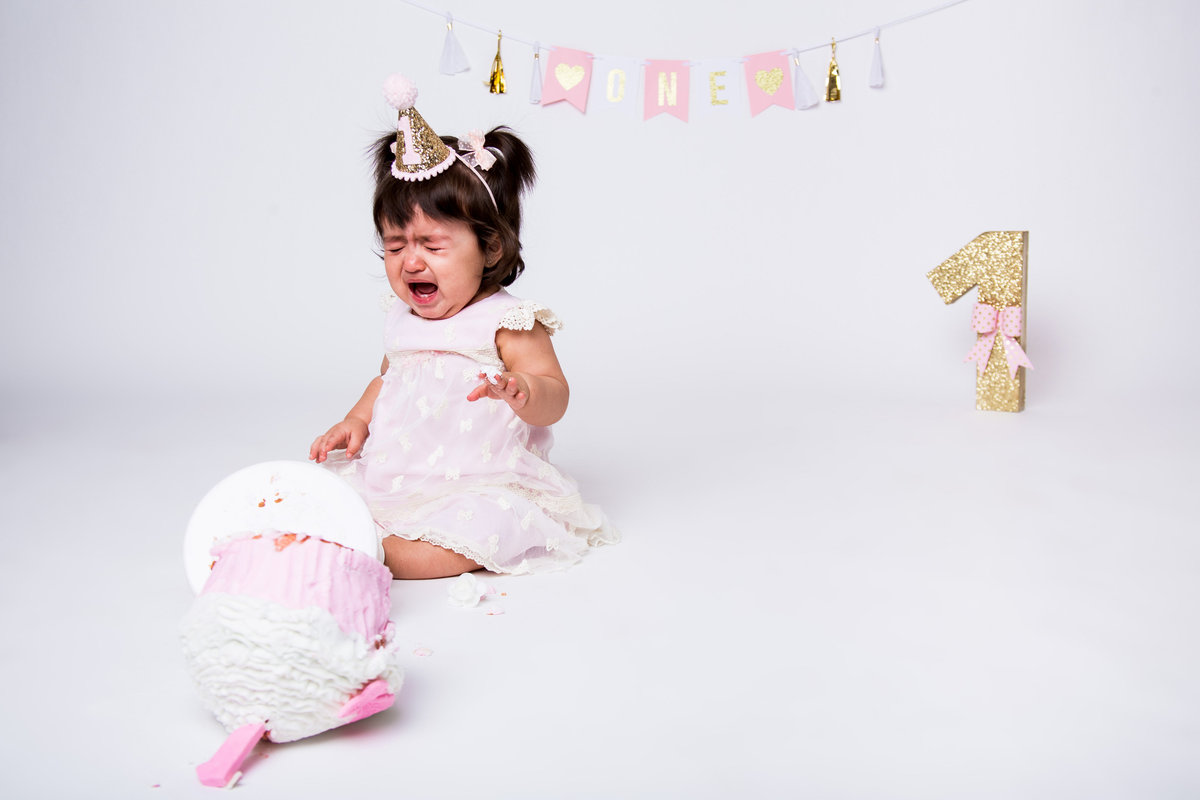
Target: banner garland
x,y
574,76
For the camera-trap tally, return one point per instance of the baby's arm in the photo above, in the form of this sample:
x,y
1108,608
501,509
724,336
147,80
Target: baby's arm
x,y
534,385
351,432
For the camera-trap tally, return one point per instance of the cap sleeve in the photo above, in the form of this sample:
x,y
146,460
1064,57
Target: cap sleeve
x,y
522,316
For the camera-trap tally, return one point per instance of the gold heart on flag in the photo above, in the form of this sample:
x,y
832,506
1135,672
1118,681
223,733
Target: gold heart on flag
x,y
568,76
769,79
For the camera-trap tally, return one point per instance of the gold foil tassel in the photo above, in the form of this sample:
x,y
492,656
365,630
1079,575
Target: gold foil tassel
x,y
496,79
833,82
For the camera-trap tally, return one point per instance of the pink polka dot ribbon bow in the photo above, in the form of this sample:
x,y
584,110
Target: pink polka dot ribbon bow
x,y
476,154
987,322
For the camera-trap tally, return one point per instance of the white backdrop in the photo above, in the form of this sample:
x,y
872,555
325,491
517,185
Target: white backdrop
x,y
762,377
187,200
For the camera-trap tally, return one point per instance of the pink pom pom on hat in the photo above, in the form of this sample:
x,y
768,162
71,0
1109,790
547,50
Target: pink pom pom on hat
x,y
400,92
420,153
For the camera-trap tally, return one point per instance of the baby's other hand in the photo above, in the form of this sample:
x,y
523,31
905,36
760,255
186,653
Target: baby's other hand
x,y
510,387
349,433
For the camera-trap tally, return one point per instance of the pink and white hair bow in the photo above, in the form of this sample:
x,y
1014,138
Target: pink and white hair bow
x,y
987,321
476,154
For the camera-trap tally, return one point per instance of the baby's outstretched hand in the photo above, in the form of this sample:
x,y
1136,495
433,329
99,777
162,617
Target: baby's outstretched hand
x,y
510,387
349,433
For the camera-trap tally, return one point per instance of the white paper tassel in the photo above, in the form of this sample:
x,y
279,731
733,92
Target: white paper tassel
x,y
535,85
806,96
876,81
454,60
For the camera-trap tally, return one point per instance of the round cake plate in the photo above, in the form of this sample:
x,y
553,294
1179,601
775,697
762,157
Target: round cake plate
x,y
285,496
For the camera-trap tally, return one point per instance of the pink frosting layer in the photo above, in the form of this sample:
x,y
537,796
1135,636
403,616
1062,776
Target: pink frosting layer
x,y
300,571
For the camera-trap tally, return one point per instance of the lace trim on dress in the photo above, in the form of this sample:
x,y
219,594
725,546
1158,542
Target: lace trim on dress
x,y
386,301
487,357
491,565
521,318
563,560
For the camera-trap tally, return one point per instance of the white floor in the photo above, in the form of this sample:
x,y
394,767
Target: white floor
x,y
838,580
910,601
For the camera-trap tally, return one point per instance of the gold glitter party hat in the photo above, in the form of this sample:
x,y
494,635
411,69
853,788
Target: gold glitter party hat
x,y
420,153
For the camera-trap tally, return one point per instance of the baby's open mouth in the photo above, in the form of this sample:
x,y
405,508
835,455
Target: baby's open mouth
x,y
422,291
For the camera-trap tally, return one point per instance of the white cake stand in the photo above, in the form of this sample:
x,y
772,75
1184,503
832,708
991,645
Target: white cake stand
x,y
285,496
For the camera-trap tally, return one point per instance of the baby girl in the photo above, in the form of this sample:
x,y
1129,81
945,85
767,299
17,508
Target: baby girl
x,y
449,445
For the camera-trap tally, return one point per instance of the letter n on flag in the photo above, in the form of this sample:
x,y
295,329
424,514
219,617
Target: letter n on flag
x,y
667,88
568,76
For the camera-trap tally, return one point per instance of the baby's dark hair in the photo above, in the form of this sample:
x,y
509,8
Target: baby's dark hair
x,y
456,194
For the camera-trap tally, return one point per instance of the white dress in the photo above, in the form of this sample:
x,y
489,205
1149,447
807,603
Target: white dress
x,y
470,477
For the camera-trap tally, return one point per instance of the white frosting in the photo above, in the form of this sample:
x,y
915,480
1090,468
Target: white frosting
x,y
291,669
465,592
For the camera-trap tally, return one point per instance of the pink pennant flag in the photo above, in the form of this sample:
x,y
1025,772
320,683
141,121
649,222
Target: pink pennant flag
x,y
768,81
568,76
667,88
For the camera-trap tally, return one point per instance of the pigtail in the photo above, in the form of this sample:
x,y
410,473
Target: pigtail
x,y
510,177
515,173
382,155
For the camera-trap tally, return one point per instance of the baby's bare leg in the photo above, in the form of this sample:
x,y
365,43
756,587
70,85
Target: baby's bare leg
x,y
409,560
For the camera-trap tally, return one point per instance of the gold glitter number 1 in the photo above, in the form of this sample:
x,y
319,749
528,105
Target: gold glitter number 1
x,y
410,156
995,262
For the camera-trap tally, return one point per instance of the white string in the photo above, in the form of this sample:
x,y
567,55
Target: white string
x,y
867,32
468,23
871,30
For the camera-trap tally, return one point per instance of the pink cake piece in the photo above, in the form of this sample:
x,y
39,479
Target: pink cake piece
x,y
299,571
375,697
291,632
225,764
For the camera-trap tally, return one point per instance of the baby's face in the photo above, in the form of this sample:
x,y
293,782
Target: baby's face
x,y
434,266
